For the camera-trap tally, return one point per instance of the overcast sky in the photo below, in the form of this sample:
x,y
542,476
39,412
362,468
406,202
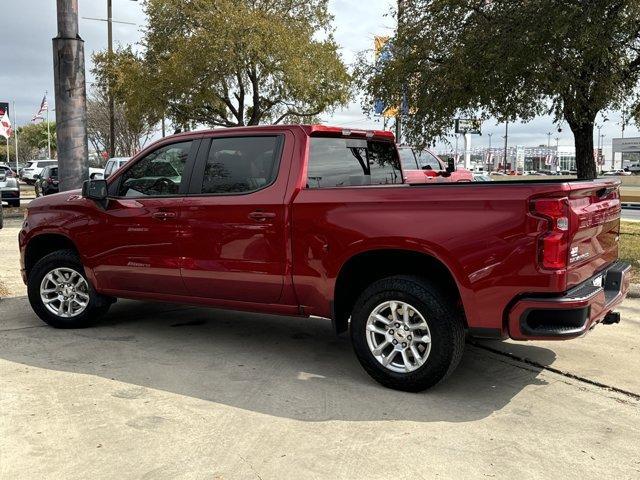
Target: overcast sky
x,y
26,63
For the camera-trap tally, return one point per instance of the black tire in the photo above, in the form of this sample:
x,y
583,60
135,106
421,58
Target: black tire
x,y
98,304
14,203
445,322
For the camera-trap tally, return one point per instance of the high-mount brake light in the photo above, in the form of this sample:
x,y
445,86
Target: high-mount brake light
x,y
554,243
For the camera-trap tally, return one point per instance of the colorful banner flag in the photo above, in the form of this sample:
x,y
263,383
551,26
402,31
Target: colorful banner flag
x,y
5,126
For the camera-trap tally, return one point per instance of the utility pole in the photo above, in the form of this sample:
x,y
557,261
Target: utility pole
x,y
110,99
548,140
399,113
71,98
506,144
112,104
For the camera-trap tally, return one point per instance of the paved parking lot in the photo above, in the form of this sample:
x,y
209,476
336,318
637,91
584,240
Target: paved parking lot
x,y
167,391
163,391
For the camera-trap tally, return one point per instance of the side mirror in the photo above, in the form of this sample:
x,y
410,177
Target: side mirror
x,y
36,176
451,165
96,190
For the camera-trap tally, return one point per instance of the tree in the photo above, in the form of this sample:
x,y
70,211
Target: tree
x,y
512,59
132,130
35,136
32,143
231,62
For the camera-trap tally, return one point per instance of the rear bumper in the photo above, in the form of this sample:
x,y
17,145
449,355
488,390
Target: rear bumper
x,y
574,313
10,194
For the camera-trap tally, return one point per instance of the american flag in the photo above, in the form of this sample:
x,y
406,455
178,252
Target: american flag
x,y
44,107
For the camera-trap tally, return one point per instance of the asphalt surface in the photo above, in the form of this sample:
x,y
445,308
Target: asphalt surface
x,y
167,391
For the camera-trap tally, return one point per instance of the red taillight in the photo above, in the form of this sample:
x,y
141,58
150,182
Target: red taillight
x,y
554,243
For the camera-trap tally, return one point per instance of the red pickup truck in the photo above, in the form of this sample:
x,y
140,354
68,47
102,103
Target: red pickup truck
x,y
316,221
424,166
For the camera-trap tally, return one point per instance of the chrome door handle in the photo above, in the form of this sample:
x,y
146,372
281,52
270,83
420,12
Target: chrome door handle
x,y
163,215
261,216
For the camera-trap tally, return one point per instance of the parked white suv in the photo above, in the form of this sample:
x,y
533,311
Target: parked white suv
x,y
34,168
114,164
634,168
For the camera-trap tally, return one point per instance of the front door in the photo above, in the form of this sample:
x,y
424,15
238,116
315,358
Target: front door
x,y
140,228
234,219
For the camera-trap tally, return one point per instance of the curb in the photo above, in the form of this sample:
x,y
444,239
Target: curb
x,y
634,290
631,206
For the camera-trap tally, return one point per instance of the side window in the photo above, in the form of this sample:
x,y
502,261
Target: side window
x,y
407,159
428,161
158,174
108,169
344,162
241,164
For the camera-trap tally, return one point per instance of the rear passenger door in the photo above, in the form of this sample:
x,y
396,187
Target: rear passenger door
x,y
234,217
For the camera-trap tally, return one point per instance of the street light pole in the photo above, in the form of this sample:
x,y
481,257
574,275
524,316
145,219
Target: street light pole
x,y
490,158
548,140
506,143
71,98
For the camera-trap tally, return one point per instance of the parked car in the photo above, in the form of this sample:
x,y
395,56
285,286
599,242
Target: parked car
x,y
47,182
424,166
114,164
96,173
7,170
317,221
634,168
482,177
9,187
35,167
617,173
1,216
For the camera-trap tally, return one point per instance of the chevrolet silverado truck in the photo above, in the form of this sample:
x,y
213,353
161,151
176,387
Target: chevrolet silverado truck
x,y
317,221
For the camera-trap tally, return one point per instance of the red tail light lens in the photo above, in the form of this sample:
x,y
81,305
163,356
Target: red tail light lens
x,y
553,245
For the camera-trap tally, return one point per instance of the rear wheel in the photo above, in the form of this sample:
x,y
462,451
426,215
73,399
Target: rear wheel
x,y
60,293
14,203
405,333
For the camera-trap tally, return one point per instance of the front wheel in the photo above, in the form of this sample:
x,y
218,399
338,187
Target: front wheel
x,y
60,293
406,334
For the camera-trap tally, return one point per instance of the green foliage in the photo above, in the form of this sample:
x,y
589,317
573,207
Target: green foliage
x,y
512,59
32,143
35,136
231,62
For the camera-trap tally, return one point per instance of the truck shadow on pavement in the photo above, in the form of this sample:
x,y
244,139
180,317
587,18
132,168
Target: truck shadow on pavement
x,y
290,368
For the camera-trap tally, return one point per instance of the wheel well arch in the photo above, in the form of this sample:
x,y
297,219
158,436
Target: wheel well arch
x,y
361,270
44,244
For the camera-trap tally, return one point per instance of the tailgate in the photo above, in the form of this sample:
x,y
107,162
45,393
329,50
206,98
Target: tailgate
x,y
594,210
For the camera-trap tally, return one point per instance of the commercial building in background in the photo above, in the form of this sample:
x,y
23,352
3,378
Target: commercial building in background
x,y
539,159
624,152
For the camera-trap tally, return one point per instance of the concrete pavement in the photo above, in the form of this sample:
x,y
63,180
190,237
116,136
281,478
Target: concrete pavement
x,y
165,391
